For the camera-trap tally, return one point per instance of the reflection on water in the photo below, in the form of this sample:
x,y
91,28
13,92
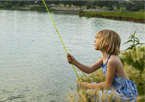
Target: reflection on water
x,y
33,62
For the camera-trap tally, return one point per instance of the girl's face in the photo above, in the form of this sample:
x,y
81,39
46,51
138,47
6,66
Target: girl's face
x,y
96,45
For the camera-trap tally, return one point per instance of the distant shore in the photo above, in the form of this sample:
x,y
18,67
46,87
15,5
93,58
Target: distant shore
x,y
102,13
123,16
138,17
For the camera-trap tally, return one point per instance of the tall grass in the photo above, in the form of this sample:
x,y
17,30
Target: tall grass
x,y
136,54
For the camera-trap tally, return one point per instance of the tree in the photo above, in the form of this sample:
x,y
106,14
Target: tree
x,y
21,3
135,6
129,6
100,4
88,5
64,3
56,2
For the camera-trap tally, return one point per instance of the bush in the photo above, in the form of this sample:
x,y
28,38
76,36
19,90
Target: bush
x,y
81,11
38,8
90,5
1,6
141,10
8,5
111,8
118,7
136,6
93,7
134,55
135,58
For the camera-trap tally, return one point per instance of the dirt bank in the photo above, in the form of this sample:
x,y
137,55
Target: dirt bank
x,y
117,18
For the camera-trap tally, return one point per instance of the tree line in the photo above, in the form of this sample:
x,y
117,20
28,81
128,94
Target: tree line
x,y
110,5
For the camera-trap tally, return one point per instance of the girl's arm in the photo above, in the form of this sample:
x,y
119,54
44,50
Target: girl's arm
x,y
84,68
111,67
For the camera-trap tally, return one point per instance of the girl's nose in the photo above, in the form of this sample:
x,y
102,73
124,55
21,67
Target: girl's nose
x,y
95,41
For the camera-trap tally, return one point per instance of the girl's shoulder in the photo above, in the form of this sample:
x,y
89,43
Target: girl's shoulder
x,y
114,59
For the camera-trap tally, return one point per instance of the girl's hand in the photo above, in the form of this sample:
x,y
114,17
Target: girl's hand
x,y
70,59
85,85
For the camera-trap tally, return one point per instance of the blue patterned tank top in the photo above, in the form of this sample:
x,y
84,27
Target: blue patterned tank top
x,y
122,86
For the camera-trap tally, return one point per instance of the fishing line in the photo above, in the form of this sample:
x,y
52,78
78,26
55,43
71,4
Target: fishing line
x,y
60,37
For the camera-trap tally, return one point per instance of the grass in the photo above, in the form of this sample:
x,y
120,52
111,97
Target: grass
x,y
135,15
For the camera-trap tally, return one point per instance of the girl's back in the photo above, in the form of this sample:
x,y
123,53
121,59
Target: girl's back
x,y
119,67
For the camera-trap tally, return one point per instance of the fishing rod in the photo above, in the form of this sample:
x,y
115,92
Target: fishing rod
x,y
60,38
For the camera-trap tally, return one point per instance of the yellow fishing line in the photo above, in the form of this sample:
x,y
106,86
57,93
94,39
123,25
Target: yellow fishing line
x,y
60,37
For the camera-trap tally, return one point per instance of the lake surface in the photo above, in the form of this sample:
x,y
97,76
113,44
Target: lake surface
x,y
33,65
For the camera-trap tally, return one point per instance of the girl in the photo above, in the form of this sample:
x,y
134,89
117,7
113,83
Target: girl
x,y
108,42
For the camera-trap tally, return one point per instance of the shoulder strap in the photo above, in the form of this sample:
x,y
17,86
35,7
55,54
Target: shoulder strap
x,y
108,58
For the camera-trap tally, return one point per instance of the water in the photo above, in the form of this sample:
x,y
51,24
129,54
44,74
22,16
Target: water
x,y
33,63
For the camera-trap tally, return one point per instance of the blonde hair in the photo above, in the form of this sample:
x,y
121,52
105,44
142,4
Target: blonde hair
x,y
109,41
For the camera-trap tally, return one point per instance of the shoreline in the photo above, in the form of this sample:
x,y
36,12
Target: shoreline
x,y
116,18
83,13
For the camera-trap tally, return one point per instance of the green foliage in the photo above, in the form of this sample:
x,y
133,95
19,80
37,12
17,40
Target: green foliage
x,y
134,40
91,5
134,57
141,10
39,8
110,5
21,3
118,7
88,6
1,6
111,8
88,15
81,11
135,15
135,6
8,5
